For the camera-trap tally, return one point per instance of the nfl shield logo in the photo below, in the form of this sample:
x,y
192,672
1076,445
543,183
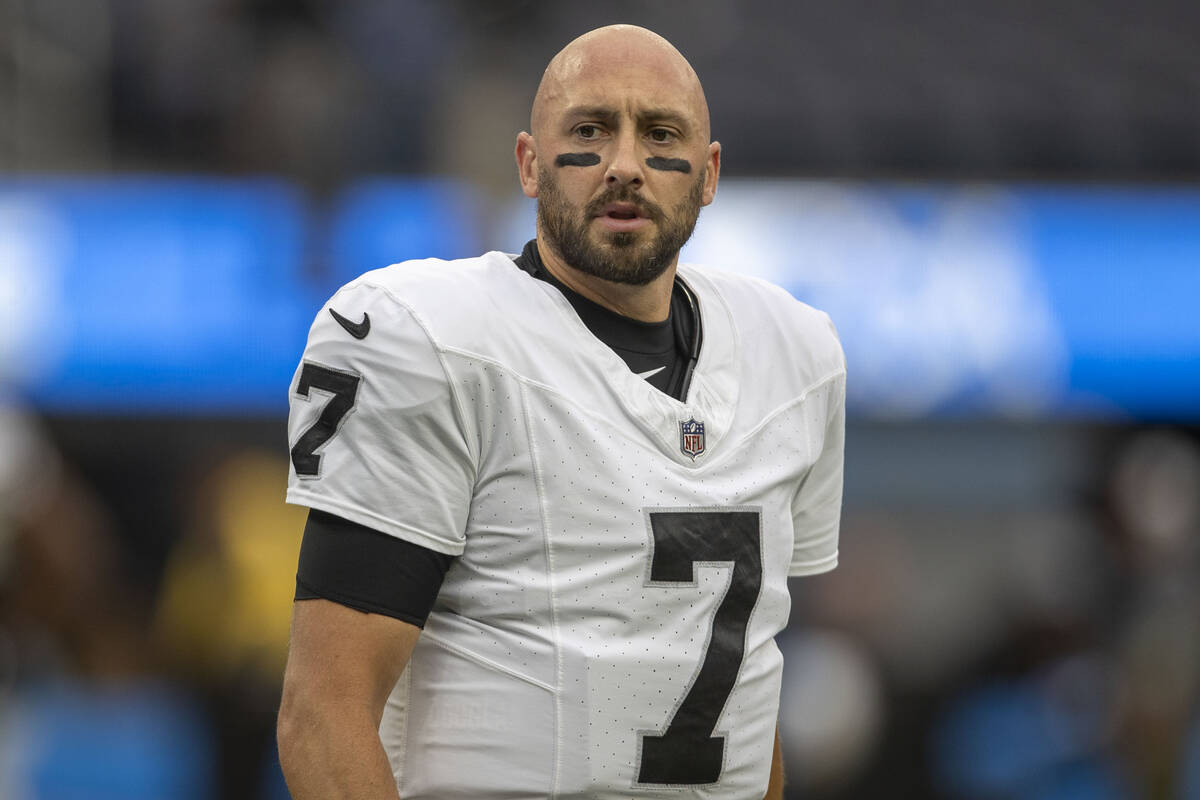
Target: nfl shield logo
x,y
691,438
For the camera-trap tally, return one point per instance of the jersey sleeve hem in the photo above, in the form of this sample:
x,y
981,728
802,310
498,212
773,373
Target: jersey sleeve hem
x,y
803,568
300,497
365,606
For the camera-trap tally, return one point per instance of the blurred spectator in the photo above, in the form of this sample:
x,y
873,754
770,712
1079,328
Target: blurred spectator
x,y
831,709
81,713
225,608
1155,499
63,572
226,598
1102,707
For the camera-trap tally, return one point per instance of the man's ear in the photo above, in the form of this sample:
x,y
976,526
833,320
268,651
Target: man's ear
x,y
712,174
527,171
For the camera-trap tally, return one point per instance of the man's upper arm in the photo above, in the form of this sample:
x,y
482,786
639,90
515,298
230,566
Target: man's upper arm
x,y
343,659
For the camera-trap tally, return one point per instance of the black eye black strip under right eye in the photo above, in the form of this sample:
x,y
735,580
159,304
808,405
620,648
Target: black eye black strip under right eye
x,y
577,160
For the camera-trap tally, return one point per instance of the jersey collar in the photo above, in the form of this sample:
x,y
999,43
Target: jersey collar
x,y
712,396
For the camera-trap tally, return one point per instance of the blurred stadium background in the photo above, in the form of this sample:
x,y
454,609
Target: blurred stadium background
x,y
998,203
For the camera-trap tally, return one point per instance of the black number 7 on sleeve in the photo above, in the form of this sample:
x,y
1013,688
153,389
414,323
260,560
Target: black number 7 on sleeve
x,y
344,388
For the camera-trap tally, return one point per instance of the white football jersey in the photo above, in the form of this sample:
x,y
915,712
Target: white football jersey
x,y
607,630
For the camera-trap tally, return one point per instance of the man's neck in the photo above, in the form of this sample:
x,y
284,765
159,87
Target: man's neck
x,y
650,302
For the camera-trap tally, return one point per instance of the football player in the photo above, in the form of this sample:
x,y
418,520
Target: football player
x,y
555,497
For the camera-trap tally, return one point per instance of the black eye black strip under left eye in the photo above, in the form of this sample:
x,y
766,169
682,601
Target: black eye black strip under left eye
x,y
577,160
669,164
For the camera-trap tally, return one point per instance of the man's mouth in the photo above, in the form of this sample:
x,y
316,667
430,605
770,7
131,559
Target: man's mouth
x,y
623,217
623,211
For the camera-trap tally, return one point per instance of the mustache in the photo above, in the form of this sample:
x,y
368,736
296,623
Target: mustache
x,y
625,195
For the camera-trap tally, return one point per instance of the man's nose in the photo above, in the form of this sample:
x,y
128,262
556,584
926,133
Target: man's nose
x,y
625,168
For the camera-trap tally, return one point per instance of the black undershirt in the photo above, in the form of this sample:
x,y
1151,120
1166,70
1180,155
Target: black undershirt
x,y
663,347
364,569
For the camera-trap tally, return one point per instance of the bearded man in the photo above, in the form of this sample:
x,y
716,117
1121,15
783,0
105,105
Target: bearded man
x,y
555,497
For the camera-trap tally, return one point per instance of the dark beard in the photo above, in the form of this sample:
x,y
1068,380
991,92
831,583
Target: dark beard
x,y
618,259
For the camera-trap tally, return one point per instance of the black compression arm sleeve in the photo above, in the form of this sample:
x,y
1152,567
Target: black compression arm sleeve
x,y
364,569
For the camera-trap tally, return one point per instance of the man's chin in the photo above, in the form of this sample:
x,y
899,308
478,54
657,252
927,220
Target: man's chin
x,y
628,264
622,241
618,240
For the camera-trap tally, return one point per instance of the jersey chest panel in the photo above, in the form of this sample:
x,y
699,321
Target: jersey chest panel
x,y
607,628
554,611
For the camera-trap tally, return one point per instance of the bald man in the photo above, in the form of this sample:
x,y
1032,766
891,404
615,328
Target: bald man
x,y
555,497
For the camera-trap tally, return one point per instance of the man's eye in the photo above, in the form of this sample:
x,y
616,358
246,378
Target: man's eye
x,y
661,135
586,131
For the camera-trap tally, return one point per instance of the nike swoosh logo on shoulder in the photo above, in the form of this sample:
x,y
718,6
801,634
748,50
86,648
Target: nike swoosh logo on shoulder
x,y
358,330
650,373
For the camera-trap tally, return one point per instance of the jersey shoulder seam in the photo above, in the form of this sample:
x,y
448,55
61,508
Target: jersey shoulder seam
x,y
800,398
439,350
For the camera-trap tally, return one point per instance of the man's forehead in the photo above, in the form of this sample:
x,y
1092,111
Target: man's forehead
x,y
622,68
601,57
611,102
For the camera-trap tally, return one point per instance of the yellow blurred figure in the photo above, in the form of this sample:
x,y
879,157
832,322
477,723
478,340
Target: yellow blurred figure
x,y
226,599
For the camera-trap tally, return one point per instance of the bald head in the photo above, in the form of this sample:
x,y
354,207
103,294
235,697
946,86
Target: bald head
x,y
619,158
614,58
